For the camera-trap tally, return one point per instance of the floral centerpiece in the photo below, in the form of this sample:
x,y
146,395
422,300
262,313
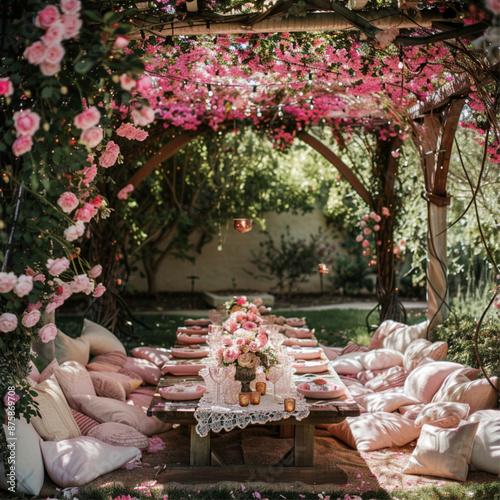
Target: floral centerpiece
x,y
245,344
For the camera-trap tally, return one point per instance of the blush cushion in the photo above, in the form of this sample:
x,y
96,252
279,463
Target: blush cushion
x,y
100,339
421,350
401,338
349,364
385,329
84,422
113,385
381,359
148,371
388,379
119,435
443,452
443,414
75,462
70,349
384,401
156,355
73,379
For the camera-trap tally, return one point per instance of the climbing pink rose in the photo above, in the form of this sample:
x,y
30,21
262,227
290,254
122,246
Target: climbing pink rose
x,y
68,202
81,283
376,227
241,300
365,243
32,307
30,319
378,218
57,266
49,69
395,154
89,174
121,42
10,399
26,122
143,116
48,332
57,301
70,6
95,272
54,35
231,355
54,54
47,16
7,282
110,155
6,87
72,25
39,277
123,193
85,213
99,290
24,285
8,322
35,53
74,232
359,238
126,82
385,212
144,85
88,118
92,136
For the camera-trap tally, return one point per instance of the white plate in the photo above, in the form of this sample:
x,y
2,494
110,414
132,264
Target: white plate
x,y
182,368
300,342
304,352
304,366
192,330
332,392
299,333
189,352
192,339
204,322
166,393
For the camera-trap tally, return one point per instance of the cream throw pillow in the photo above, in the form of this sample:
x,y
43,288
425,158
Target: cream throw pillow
x,y
381,359
443,414
384,401
56,421
401,338
75,462
443,452
100,339
69,349
385,329
486,449
420,349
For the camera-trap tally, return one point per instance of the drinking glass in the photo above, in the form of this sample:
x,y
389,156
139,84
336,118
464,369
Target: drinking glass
x,y
273,375
217,374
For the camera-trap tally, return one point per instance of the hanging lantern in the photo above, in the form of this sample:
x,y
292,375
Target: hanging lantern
x,y
322,268
242,225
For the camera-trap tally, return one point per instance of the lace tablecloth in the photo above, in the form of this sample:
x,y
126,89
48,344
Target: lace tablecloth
x,y
213,417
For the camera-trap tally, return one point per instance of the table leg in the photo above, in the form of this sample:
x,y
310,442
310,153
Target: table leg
x,y
304,446
200,448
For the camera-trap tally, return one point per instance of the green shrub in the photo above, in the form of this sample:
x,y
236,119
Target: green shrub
x,y
459,331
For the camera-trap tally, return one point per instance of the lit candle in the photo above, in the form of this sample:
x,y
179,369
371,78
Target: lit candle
x,y
289,404
244,399
261,387
255,397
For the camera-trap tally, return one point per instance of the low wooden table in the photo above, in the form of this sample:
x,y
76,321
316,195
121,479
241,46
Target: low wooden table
x,y
296,465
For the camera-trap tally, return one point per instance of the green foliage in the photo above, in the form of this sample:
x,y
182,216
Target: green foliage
x,y
458,332
351,275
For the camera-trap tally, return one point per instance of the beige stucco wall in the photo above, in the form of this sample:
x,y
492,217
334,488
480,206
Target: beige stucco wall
x,y
224,270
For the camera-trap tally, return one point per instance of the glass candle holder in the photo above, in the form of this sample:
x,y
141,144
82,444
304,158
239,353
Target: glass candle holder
x,y
244,399
289,404
255,398
261,387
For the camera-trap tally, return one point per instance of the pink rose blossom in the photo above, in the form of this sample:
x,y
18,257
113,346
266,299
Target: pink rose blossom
x,y
54,54
241,300
395,154
144,85
49,69
143,116
124,192
74,232
99,290
57,266
110,155
9,400
385,212
231,327
89,175
239,342
92,136
262,339
85,213
6,87
26,122
33,307
81,283
359,238
362,223
126,82
128,131
68,202
254,346
57,301
367,230
70,6
54,35
23,286
227,340
64,290
365,243
35,53
378,218
376,227
95,272
121,42
47,16
7,282
88,118
39,277
231,355
397,250
140,135
8,322
72,25
48,332
248,325
30,319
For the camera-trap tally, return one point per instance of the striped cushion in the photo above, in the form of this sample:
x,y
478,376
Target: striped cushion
x,y
115,358
131,374
353,347
84,422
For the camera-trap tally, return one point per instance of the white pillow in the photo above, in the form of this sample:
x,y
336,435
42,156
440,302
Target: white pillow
x,y
380,359
421,350
112,410
100,339
484,415
373,431
385,329
75,462
386,401
401,338
348,364
486,449
443,452
443,414
388,379
70,349
423,382
29,472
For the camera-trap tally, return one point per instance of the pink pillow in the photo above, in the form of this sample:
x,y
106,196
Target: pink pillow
x,y
119,435
74,379
332,352
387,401
131,374
443,414
401,338
115,358
48,371
347,364
384,330
388,379
148,371
353,347
140,400
157,356
113,385
34,373
421,349
84,422
367,375
379,359
423,382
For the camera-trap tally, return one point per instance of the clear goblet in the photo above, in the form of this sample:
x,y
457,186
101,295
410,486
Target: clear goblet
x,y
217,374
273,375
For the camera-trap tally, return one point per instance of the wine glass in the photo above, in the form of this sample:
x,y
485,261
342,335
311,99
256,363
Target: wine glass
x,y
217,374
273,375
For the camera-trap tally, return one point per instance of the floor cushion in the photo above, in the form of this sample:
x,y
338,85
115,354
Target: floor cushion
x,y
100,339
421,349
443,452
443,414
156,355
73,379
28,474
486,449
119,435
424,381
75,462
56,422
386,401
113,385
148,371
70,349
388,379
401,338
348,364
385,329
380,359
84,422
112,410
140,400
